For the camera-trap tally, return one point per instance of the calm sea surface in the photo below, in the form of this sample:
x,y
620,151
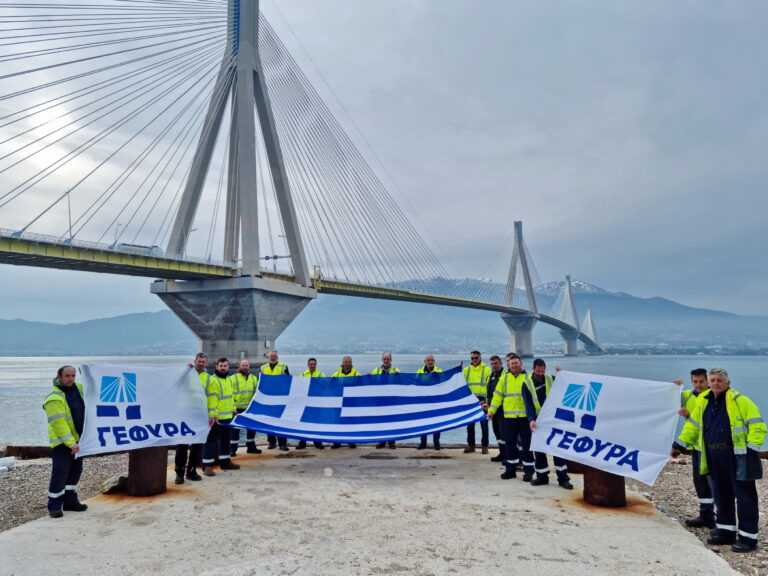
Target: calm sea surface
x,y
25,382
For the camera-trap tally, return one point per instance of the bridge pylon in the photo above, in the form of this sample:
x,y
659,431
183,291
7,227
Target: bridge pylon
x,y
591,332
520,325
239,318
568,314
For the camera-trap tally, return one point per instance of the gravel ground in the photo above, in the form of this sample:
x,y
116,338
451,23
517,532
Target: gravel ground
x,y
674,495
23,489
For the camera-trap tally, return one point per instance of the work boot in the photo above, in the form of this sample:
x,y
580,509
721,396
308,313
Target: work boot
x,y
539,481
527,477
498,458
252,449
319,445
55,513
72,503
566,484
438,447
508,475
179,478
208,471
700,522
353,445
284,447
193,475
485,450
230,466
271,446
380,444
421,447
392,445
469,449
301,445
745,545
334,446
720,537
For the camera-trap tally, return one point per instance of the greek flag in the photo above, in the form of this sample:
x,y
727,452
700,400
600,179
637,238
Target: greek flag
x,y
360,409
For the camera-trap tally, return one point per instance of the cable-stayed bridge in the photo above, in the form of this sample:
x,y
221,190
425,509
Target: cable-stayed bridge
x,y
180,140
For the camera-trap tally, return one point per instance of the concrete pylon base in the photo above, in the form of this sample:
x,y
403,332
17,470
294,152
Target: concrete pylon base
x,y
570,342
237,318
520,332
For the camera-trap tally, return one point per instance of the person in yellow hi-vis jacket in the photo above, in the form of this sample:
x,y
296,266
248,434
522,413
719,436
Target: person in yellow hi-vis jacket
x,y
509,396
729,431
221,408
345,370
243,388
65,408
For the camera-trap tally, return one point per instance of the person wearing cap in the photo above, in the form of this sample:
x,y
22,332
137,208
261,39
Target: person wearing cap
x,y
727,428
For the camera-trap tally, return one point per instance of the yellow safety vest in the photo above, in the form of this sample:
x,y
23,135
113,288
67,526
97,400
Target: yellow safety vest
x,y
61,427
340,374
747,426
477,377
279,368
688,400
423,371
509,395
379,370
220,400
532,389
315,374
243,389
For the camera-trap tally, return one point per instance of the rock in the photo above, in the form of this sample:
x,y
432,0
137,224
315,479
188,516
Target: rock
x,y
118,483
28,452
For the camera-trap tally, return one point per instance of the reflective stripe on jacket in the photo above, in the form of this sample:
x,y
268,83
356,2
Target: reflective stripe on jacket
x,y
61,427
477,378
748,430
509,395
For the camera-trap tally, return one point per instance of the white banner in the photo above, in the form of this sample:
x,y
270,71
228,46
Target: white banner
x,y
620,425
131,407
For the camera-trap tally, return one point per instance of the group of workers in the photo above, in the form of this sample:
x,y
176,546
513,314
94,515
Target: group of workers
x,y
723,430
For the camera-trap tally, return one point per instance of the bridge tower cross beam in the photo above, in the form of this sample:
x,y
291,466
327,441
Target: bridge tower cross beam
x,y
239,317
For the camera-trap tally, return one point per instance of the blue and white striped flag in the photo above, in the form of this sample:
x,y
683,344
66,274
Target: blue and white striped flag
x,y
360,409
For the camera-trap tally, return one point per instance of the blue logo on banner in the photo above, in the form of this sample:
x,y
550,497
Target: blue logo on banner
x,y
582,398
118,389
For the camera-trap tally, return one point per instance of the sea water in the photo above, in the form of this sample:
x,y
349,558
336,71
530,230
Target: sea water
x,y
25,381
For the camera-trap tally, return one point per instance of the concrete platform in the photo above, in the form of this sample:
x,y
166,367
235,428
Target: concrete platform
x,y
362,511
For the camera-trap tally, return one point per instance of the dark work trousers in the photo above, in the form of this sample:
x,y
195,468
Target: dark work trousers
x,y
483,430
541,467
188,457
703,489
273,440
726,489
65,474
512,430
250,437
524,443
435,441
217,444
498,431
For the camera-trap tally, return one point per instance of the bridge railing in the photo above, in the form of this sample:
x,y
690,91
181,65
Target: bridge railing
x,y
120,247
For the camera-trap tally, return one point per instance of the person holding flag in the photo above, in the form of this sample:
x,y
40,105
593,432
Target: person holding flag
x,y
346,370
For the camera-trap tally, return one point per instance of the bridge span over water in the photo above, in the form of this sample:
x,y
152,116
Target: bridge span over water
x,y
196,117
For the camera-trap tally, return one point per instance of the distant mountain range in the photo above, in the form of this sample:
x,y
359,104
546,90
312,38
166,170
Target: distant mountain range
x,y
337,324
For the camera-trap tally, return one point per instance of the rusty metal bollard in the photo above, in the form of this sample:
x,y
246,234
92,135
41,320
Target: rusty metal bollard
x,y
147,471
603,488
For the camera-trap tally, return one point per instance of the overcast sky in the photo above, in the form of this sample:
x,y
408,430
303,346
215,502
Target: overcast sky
x,y
629,137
